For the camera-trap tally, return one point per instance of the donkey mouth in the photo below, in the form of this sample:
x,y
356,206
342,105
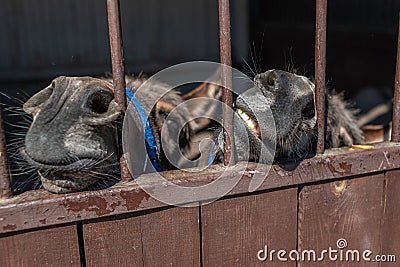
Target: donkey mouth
x,y
80,164
65,182
71,177
249,120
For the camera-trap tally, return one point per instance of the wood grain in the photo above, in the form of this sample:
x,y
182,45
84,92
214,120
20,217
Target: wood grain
x,y
44,247
346,209
235,229
391,219
168,237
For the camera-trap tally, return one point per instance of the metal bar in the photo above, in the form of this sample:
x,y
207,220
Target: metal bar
x,y
5,181
117,57
320,66
226,79
396,102
125,173
117,61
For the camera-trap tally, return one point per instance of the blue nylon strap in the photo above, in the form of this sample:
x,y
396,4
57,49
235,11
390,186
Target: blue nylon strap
x,y
211,156
150,142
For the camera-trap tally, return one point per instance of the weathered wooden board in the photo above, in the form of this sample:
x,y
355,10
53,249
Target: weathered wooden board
x,y
391,219
167,237
234,230
39,208
44,247
334,214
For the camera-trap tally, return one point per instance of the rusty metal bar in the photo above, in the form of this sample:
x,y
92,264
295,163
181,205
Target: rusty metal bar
x,y
5,182
396,102
118,70
320,66
117,54
226,79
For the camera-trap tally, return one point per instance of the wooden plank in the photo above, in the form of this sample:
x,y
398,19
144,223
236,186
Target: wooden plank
x,y
391,219
346,210
44,247
168,237
114,242
234,230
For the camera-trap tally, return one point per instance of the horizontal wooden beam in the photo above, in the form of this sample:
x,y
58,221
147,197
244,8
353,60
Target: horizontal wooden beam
x,y
40,208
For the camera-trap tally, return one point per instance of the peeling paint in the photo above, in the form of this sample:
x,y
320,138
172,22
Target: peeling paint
x,y
9,227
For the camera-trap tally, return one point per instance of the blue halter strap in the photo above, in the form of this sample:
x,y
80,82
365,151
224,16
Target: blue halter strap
x,y
150,142
211,156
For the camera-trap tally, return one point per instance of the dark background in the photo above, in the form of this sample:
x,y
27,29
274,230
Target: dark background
x,y
361,45
43,39
361,39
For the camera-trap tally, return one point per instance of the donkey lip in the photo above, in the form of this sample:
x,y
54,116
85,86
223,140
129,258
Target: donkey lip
x,y
65,183
78,165
61,185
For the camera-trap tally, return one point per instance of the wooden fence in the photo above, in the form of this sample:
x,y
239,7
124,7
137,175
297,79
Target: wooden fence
x,y
339,195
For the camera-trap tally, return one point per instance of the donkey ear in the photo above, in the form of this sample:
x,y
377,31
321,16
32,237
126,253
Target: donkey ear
x,y
203,108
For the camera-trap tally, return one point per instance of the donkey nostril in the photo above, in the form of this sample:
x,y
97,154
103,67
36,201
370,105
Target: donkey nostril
x,y
98,106
98,102
271,80
308,111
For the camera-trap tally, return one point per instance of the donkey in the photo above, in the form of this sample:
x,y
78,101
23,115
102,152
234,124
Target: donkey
x,y
73,138
290,98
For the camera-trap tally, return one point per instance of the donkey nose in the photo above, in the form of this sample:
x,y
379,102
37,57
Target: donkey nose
x,y
268,80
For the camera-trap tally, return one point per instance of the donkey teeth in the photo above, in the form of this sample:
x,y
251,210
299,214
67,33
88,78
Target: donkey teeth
x,y
243,115
250,123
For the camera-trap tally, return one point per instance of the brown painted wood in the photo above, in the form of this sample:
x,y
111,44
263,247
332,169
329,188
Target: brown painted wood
x,y
39,208
44,247
347,209
391,219
168,237
235,229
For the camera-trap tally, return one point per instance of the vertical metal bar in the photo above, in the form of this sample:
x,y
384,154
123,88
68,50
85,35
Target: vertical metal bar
x,y
117,57
5,182
117,60
320,66
396,102
226,79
